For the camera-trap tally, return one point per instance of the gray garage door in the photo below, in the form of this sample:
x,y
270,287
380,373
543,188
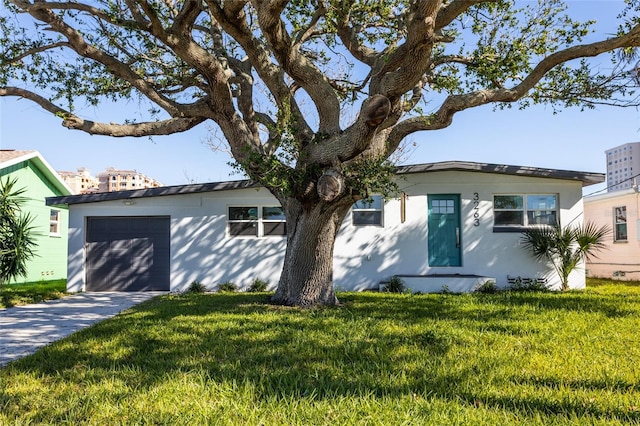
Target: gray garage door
x,y
127,254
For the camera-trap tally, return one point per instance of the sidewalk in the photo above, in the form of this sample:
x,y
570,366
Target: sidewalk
x,y
25,329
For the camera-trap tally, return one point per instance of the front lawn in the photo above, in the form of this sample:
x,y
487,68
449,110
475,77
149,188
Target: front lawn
x,y
25,294
381,359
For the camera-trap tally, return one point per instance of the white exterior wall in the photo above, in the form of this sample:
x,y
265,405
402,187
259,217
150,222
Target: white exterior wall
x,y
366,255
363,256
200,247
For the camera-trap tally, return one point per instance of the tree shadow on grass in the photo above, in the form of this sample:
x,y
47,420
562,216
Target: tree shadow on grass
x,y
375,344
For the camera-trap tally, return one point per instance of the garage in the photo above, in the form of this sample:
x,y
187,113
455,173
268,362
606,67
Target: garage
x,y
127,253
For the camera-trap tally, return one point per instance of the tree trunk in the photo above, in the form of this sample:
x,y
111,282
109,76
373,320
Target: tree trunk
x,y
307,273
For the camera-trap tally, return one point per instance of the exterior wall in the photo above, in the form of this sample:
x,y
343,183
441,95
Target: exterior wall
x,y
200,247
621,259
364,256
51,251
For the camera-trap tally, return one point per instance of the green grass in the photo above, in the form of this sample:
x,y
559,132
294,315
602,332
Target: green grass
x,y
380,359
25,294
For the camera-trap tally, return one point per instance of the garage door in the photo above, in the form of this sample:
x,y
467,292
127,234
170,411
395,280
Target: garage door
x,y
127,254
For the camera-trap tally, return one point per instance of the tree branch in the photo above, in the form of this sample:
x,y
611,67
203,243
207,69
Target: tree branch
x,y
93,11
355,139
349,38
398,71
77,42
456,103
71,121
186,17
233,20
451,11
294,63
35,50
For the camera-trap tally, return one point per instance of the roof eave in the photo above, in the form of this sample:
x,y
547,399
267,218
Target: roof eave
x,y
151,192
585,177
36,158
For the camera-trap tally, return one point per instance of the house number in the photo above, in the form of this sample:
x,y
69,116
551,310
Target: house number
x,y
476,209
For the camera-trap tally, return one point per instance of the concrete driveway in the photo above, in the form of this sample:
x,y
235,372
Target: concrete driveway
x,y
25,329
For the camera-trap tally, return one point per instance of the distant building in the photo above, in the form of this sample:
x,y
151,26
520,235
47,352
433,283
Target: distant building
x,y
121,180
80,182
623,164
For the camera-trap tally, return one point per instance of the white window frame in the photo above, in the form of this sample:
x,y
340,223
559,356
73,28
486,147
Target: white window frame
x,y
55,216
619,220
270,220
367,207
525,210
259,221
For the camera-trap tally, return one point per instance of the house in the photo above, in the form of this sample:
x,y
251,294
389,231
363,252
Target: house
x,y
620,211
40,181
455,224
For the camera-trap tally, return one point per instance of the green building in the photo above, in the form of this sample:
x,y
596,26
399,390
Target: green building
x,y
51,223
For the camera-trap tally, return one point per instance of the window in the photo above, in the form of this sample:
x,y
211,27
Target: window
x,y
253,221
54,222
368,211
443,206
620,223
525,210
243,221
273,221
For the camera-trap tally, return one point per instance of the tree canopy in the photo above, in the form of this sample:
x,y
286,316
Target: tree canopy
x,y
283,80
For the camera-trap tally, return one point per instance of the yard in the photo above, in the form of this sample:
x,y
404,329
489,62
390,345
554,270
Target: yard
x,y
381,359
25,294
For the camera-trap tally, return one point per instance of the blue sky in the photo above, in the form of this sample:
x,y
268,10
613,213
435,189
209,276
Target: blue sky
x,y
571,140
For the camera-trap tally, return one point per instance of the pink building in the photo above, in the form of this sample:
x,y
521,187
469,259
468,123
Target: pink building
x,y
620,210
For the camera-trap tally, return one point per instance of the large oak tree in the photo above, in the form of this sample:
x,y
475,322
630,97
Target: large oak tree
x,y
280,78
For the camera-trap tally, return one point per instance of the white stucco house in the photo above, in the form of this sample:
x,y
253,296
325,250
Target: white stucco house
x,y
455,224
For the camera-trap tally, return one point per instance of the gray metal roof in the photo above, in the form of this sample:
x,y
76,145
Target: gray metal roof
x,y
586,178
152,192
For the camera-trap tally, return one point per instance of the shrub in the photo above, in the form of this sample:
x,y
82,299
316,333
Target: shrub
x,y
227,287
565,247
196,287
487,287
258,286
528,284
17,232
395,285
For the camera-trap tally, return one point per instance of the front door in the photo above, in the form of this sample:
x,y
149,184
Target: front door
x,y
443,230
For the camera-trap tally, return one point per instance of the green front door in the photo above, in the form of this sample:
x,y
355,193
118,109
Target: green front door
x,y
443,230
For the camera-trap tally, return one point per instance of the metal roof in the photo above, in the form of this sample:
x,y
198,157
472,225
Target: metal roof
x,y
585,177
152,192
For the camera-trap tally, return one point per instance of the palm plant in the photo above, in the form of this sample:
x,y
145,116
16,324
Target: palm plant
x,y
17,241
565,247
